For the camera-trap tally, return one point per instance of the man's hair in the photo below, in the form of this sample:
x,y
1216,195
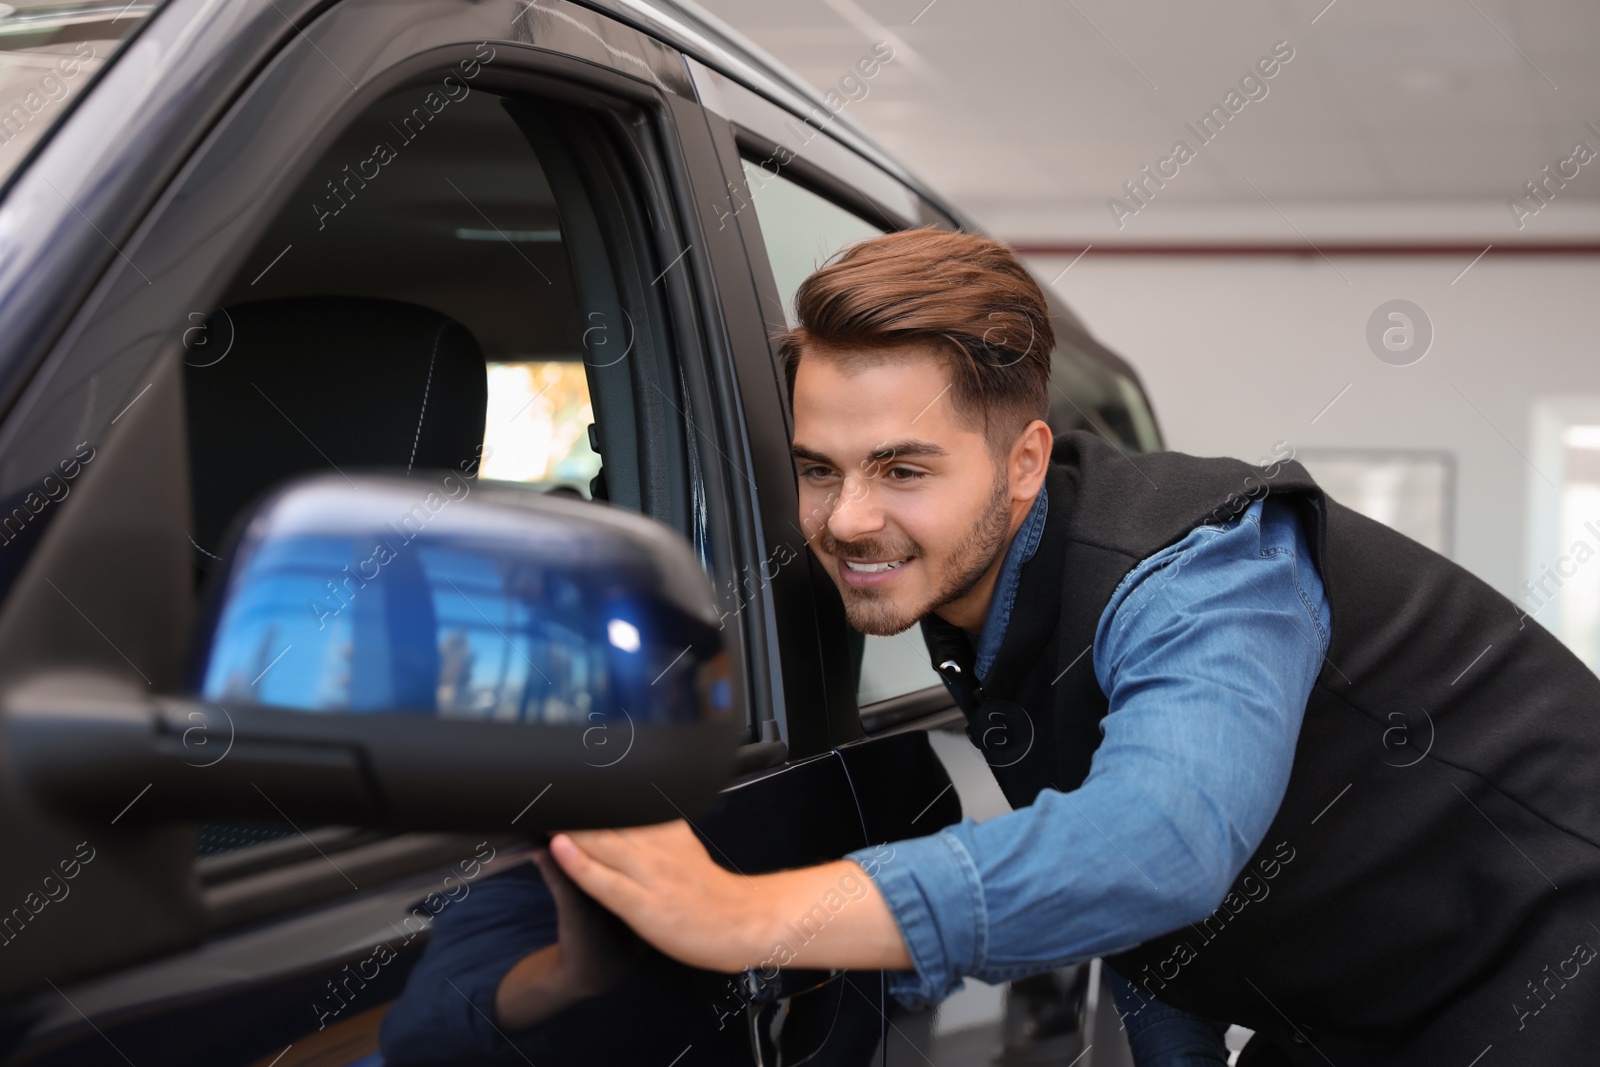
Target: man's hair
x,y
964,295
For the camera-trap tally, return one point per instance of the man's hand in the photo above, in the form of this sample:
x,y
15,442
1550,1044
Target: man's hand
x,y
661,881
664,884
591,954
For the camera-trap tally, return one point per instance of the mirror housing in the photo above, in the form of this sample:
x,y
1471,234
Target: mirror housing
x,y
424,653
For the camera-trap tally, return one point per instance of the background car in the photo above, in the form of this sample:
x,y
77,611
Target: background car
x,y
264,267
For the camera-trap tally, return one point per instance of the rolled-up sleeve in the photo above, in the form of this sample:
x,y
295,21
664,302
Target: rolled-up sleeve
x,y
1207,653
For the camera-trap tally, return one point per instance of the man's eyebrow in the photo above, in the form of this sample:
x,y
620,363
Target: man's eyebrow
x,y
884,453
906,448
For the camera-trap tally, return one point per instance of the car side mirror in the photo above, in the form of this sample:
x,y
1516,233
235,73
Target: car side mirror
x,y
426,653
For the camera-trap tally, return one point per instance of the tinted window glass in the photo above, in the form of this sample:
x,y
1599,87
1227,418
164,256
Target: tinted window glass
x,y
48,53
437,206
800,228
1089,392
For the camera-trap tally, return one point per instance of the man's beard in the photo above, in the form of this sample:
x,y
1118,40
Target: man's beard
x,y
872,612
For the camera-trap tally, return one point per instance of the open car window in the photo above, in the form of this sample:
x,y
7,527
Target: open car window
x,y
801,230
416,306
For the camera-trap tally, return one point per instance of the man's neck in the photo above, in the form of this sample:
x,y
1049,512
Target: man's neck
x,y
970,611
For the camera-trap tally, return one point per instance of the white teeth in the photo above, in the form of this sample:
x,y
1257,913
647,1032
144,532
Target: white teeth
x,y
873,568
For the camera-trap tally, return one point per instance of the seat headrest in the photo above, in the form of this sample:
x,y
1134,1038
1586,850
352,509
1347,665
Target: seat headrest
x,y
317,383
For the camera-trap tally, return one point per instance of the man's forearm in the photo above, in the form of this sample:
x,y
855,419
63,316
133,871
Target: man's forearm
x,y
662,882
824,917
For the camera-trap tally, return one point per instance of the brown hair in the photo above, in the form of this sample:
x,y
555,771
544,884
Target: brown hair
x,y
966,295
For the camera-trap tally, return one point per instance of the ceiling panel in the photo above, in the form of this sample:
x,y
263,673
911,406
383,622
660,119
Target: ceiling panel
x,y
1042,109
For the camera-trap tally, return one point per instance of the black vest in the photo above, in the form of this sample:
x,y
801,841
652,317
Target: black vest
x,y
1430,886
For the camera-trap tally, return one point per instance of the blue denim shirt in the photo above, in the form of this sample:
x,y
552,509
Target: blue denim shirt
x,y
1207,652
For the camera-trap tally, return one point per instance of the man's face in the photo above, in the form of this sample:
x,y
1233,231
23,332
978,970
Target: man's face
x,y
900,497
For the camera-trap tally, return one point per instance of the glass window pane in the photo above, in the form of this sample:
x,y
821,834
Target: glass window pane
x,y
892,666
800,228
1086,394
536,429
48,52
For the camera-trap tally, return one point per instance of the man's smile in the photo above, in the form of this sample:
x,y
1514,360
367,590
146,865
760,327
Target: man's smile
x,y
867,573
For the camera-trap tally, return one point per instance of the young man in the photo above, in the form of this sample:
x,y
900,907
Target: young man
x,y
1281,766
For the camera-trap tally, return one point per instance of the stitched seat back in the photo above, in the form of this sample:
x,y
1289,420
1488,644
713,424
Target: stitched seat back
x,y
325,383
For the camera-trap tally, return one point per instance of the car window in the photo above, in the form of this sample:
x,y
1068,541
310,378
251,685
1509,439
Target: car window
x,y
415,306
1089,390
49,51
801,230
449,211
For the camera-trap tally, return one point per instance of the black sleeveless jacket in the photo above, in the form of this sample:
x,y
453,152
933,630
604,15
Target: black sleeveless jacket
x,y
1430,886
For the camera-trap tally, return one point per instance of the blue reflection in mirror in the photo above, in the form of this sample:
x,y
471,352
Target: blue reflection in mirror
x,y
401,595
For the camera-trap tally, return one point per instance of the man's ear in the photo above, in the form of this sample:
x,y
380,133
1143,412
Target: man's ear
x,y
1030,459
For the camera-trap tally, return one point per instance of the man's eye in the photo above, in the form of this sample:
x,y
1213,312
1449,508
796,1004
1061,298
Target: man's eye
x,y
815,472
905,474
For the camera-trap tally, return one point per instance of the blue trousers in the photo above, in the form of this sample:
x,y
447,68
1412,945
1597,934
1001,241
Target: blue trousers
x,y
1163,1036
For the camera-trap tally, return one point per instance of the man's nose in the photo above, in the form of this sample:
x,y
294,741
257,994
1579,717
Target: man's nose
x,y
856,513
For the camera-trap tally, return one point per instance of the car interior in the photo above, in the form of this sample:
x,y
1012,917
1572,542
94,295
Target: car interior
x,y
460,221
417,313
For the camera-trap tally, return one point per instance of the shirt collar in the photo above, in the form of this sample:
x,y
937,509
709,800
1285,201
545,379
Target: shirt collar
x,y
1023,546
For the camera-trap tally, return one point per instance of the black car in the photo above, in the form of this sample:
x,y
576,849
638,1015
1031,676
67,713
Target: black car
x,y
394,467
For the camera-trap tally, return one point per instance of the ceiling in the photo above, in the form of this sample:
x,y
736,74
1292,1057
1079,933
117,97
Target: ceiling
x,y
1391,122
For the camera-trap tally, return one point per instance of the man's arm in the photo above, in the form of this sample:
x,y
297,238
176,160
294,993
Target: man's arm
x,y
664,884
1207,665
1206,653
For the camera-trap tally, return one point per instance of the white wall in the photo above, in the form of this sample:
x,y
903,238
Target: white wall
x,y
1240,352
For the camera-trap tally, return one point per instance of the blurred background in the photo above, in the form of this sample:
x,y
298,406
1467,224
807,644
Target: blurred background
x,y
1367,232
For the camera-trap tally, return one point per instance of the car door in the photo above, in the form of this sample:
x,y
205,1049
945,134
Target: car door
x,y
802,185
469,236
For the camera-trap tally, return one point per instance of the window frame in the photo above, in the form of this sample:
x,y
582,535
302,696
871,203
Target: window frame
x,y
753,127
839,195
807,174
